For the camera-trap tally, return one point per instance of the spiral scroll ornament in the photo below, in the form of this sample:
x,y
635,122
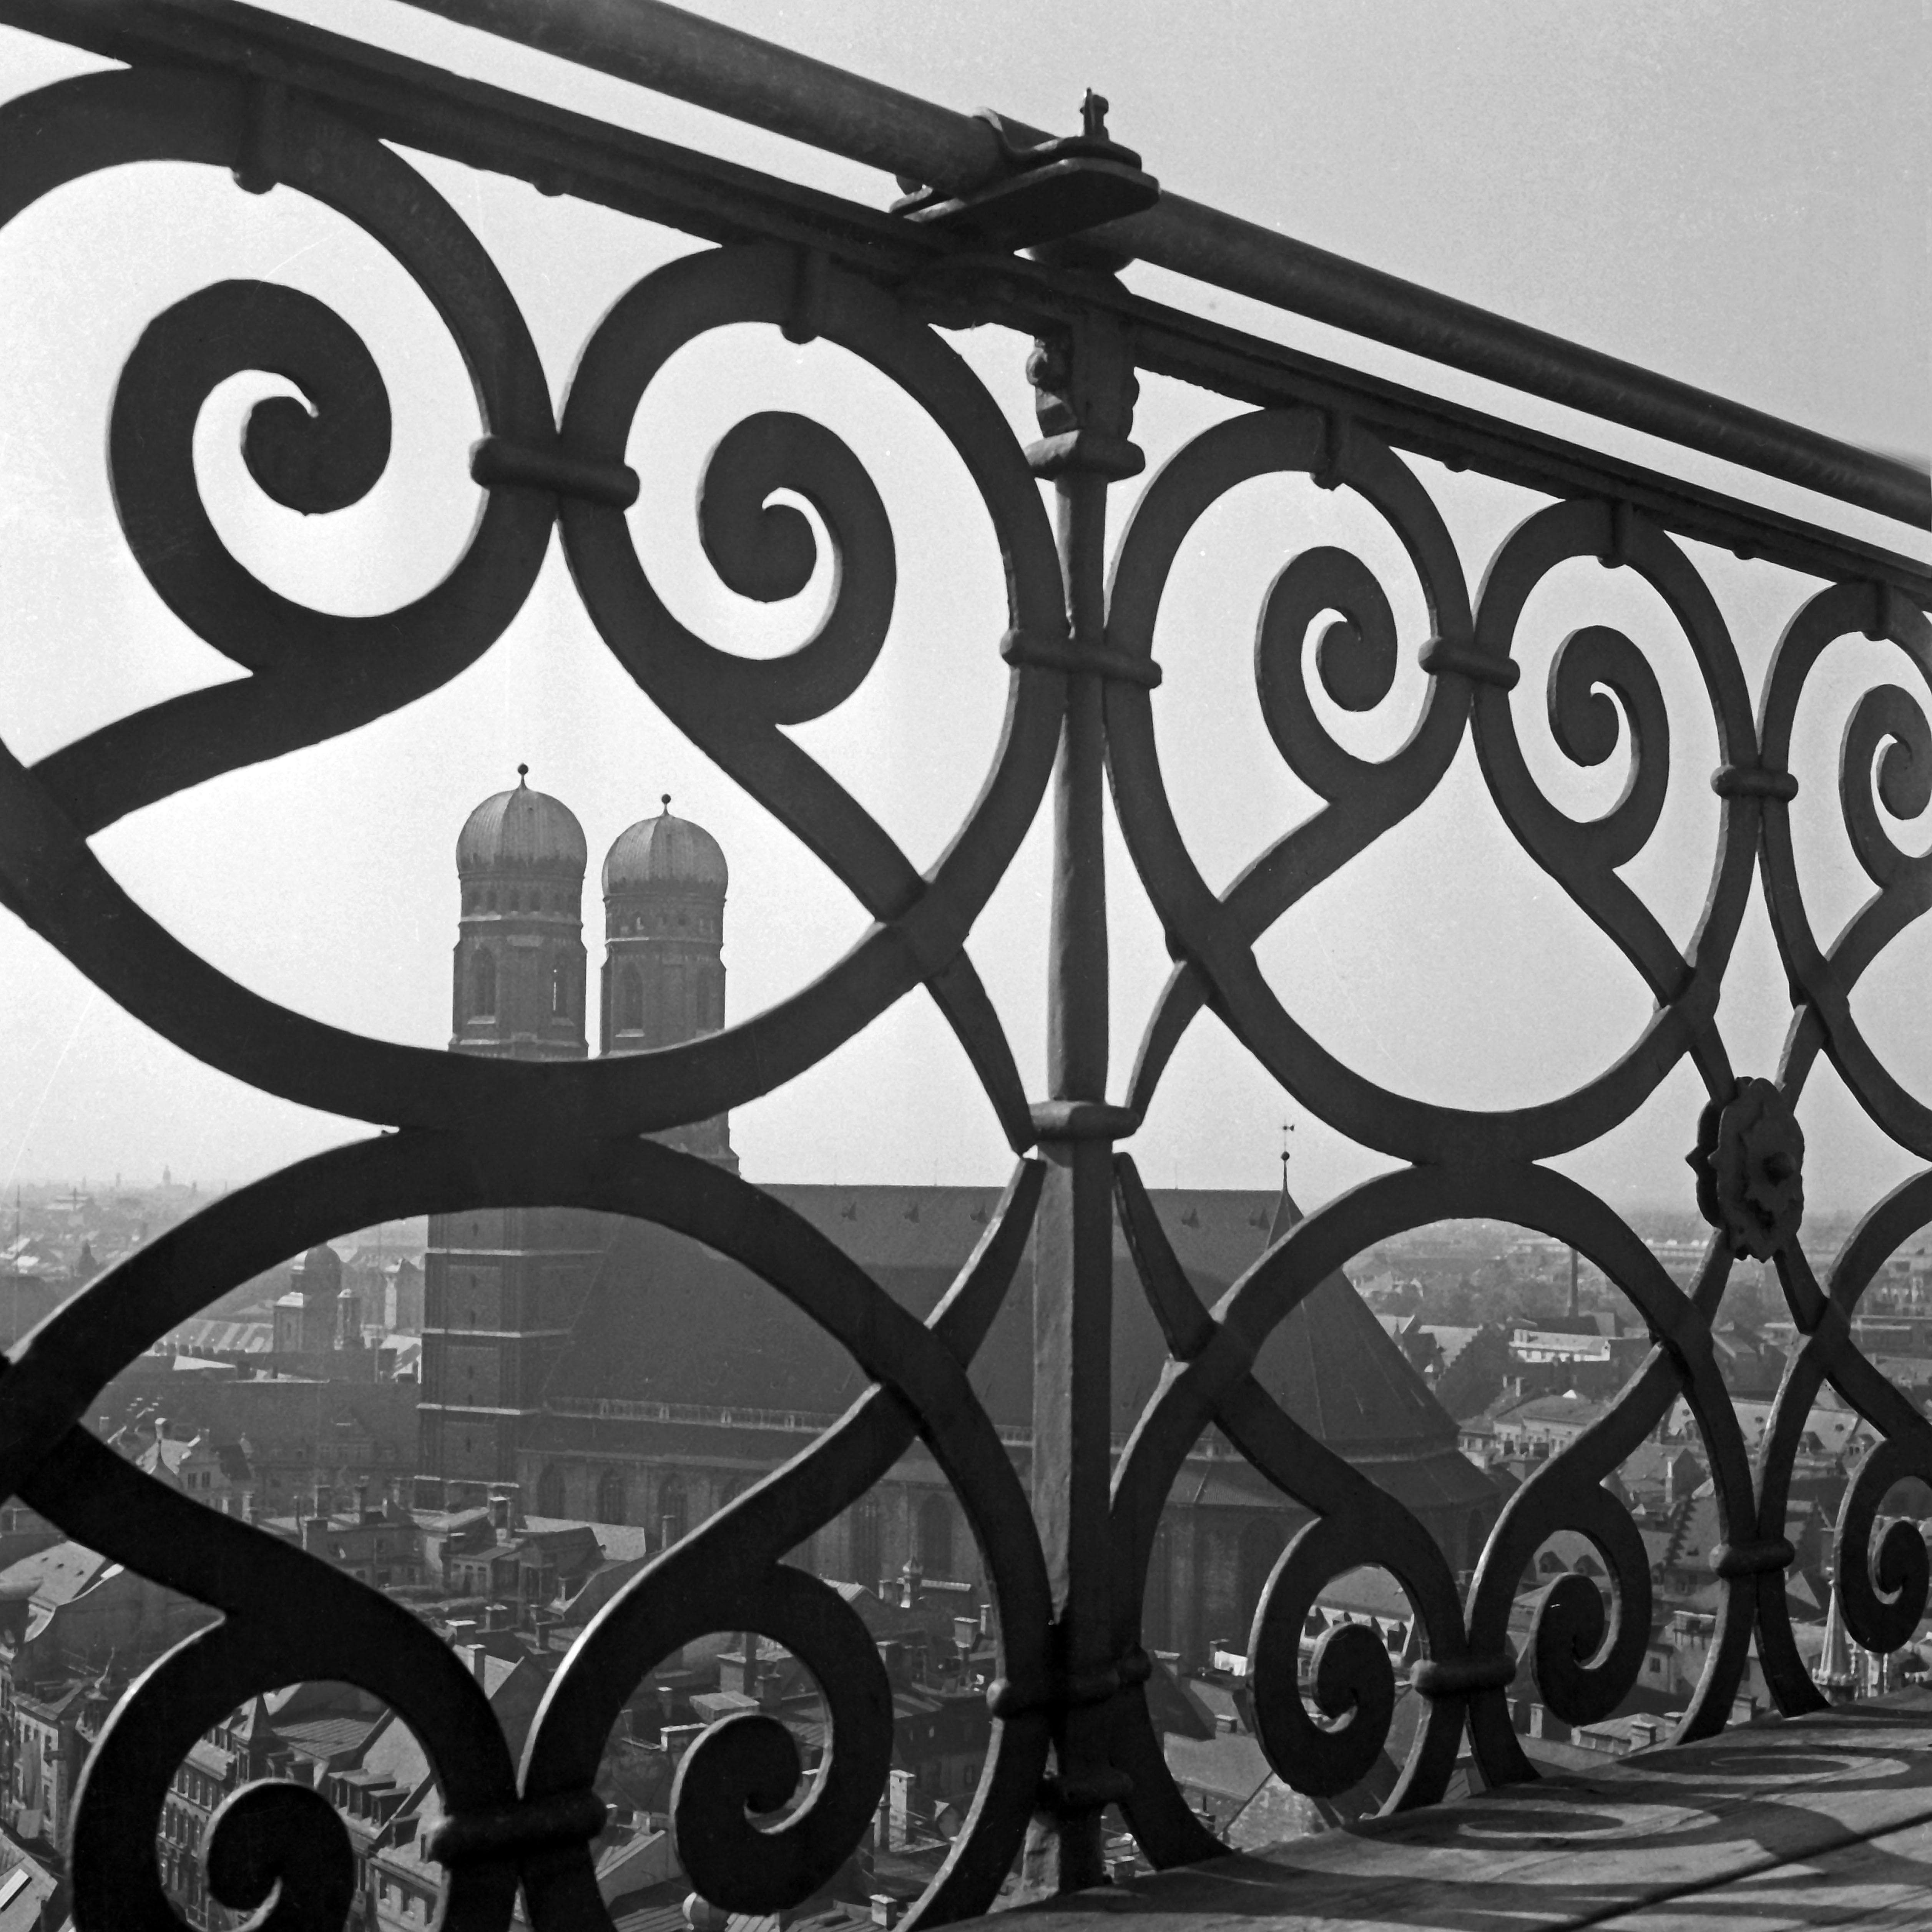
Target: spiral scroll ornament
x,y
1211,1381
1885,761
735,708
311,674
1881,1580
500,1830
314,675
1602,696
1214,937
1886,758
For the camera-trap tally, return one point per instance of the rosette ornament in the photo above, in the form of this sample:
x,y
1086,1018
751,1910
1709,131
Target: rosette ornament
x,y
1750,1162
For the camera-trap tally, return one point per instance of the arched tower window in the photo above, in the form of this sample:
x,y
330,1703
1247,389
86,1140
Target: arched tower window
x,y
630,1001
865,1542
559,990
483,983
611,1496
676,1023
549,1491
935,1536
673,1515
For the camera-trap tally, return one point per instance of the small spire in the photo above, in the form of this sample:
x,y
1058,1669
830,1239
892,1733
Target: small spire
x,y
1286,1214
665,798
523,778
1835,1672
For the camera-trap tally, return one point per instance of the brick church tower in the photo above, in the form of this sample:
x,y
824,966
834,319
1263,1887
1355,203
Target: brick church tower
x,y
501,1287
663,972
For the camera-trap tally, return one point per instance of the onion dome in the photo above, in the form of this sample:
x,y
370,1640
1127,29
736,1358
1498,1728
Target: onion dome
x,y
521,831
665,853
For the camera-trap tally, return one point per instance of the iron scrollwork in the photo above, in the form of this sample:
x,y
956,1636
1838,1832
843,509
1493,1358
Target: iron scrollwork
x,y
573,1136
1885,760
312,675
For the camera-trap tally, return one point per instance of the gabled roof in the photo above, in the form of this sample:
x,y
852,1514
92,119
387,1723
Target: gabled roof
x,y
1230,1764
254,1720
1175,1706
26,1887
334,1741
881,1619
166,1452
54,1576
1569,1407
1341,1376
650,1327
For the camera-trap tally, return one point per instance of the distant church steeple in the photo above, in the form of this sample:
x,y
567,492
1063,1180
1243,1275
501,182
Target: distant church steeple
x,y
518,974
501,1286
664,970
1286,1214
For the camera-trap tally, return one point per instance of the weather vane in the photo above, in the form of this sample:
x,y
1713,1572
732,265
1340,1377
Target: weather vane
x,y
1287,1128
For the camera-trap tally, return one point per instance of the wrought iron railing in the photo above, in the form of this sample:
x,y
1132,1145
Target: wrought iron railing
x,y
281,105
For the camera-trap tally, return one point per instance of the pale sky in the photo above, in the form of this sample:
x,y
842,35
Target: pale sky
x,y
1735,195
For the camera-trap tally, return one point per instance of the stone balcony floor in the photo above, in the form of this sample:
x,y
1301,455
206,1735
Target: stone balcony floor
x,y
1823,1820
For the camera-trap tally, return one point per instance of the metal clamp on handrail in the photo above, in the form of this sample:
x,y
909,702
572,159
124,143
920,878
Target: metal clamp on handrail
x,y
1052,191
672,51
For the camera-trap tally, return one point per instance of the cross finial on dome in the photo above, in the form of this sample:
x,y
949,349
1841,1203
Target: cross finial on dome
x,y
522,776
665,799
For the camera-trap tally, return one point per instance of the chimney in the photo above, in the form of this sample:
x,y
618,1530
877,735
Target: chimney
x,y
1544,1723
898,1817
885,1911
499,1517
315,1535
472,1655
679,1738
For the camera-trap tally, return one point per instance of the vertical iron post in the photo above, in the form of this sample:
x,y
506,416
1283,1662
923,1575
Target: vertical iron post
x,y
1085,389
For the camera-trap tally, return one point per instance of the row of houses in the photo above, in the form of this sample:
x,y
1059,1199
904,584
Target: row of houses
x,y
510,1595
